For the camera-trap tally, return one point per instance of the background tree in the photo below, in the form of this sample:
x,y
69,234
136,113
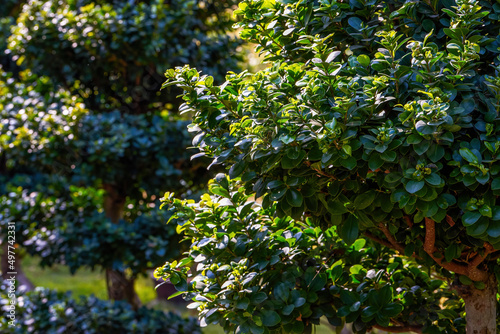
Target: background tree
x,y
89,115
372,145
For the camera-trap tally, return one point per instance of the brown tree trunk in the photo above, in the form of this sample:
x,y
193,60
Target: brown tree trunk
x,y
120,287
480,307
17,271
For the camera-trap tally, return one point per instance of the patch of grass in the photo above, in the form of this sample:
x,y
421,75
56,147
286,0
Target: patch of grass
x,y
83,282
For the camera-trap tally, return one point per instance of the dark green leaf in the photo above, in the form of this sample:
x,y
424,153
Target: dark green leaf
x,y
349,230
389,156
270,318
294,197
348,297
435,152
392,309
237,169
465,280
414,186
433,179
355,22
392,177
365,200
468,155
451,252
258,298
470,217
494,229
414,139
243,303
282,292
375,161
274,184
495,184
299,302
278,193
288,309
385,295
478,228
336,207
421,147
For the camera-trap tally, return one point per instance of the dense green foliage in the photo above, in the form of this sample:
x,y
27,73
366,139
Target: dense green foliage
x,y
376,120
47,311
66,225
110,52
54,132
82,113
260,271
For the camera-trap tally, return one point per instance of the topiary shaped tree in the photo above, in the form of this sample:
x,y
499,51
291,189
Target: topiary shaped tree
x,y
372,145
125,140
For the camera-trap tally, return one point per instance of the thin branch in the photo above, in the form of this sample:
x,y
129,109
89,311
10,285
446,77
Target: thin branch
x,y
408,221
399,329
320,172
392,243
379,240
396,245
450,220
496,257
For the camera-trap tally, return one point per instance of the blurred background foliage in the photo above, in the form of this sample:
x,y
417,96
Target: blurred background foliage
x,y
88,142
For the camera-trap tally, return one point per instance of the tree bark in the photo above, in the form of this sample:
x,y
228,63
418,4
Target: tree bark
x,y
480,307
120,287
21,278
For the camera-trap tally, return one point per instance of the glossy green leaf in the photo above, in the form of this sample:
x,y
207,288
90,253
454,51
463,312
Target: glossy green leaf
x,y
294,197
364,60
349,230
468,155
494,229
470,217
433,179
435,152
414,186
270,318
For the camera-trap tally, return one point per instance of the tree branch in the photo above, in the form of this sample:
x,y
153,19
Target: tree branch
x,y
320,172
478,259
399,329
496,257
379,240
430,236
396,245
450,220
471,270
473,273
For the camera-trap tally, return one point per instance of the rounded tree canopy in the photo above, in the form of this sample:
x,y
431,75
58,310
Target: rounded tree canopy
x,y
381,115
374,120
110,52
